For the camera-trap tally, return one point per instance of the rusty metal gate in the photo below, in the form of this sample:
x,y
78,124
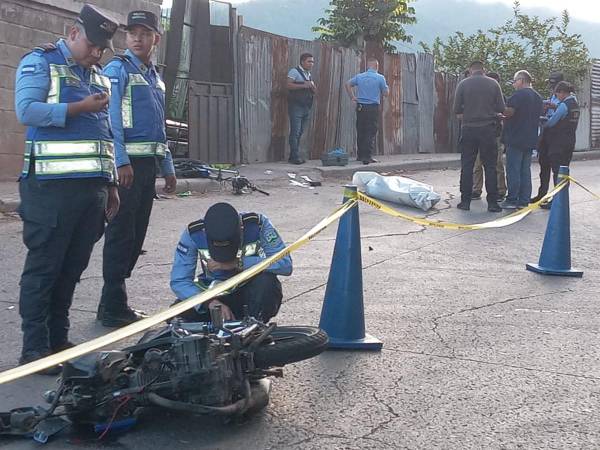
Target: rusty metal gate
x,y
211,123
595,104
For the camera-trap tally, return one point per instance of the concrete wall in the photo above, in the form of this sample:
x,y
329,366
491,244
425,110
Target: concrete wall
x,y
23,25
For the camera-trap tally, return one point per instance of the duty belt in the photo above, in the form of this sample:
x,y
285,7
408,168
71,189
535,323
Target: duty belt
x,y
146,149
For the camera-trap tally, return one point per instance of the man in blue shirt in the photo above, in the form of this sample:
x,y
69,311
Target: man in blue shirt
x,y
137,113
370,87
225,243
301,92
561,128
545,165
68,183
520,135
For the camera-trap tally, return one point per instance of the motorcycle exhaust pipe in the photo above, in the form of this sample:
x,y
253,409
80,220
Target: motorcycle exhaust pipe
x,y
257,397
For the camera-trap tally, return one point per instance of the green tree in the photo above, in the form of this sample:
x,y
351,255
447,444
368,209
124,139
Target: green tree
x,y
523,42
352,23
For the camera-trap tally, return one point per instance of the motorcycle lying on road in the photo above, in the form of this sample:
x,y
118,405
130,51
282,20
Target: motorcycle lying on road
x,y
213,368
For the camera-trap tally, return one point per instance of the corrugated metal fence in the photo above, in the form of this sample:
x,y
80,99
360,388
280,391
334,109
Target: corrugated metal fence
x,y
595,113
416,117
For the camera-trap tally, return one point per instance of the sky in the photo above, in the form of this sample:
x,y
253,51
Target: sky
x,y
588,10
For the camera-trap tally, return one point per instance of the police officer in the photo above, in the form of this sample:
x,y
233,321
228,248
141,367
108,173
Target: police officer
x,y
371,85
225,243
560,129
137,113
550,106
68,181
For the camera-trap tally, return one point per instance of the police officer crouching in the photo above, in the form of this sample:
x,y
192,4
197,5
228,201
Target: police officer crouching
x,y
67,186
225,243
137,112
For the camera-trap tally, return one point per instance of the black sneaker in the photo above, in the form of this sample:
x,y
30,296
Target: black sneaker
x,y
476,196
494,207
536,199
296,161
34,356
546,205
122,318
100,311
465,206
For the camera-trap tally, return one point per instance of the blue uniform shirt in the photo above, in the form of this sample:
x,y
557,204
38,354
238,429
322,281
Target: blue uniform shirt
x,y
184,271
560,113
371,85
31,90
119,78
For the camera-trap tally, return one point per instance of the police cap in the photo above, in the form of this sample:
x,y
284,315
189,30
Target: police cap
x,y
555,77
99,27
144,18
223,232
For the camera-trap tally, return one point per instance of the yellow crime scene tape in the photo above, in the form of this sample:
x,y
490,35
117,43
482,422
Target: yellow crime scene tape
x,y
142,325
354,197
584,188
498,223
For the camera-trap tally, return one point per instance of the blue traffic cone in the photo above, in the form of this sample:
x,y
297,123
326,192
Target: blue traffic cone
x,y
555,258
343,315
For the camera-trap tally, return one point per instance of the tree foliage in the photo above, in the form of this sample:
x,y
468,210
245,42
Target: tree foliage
x,y
352,23
523,42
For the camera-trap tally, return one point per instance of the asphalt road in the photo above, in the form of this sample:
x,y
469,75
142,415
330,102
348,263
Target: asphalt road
x,y
478,352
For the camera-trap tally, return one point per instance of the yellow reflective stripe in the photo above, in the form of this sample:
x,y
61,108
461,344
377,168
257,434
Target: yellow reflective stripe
x,y
146,149
100,80
73,148
126,109
79,165
249,250
136,79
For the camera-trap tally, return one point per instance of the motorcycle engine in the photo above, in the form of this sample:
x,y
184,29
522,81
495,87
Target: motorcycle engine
x,y
195,368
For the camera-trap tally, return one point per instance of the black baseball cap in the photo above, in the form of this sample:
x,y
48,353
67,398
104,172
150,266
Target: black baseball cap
x,y
555,77
144,18
223,228
99,27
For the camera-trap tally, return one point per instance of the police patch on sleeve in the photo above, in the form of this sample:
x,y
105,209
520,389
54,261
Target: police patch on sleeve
x,y
272,237
182,249
26,70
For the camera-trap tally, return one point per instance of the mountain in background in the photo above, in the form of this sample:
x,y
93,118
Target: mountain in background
x,y
442,18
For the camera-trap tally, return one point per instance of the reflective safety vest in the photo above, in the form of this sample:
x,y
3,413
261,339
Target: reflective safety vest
x,y
143,112
250,244
83,148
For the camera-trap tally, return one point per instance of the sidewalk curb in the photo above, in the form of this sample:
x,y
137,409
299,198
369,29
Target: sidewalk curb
x,y
196,185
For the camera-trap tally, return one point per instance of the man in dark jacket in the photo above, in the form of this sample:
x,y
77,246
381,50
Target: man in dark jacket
x,y
477,103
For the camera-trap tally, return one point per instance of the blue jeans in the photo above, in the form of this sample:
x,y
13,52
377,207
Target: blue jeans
x,y
518,175
298,117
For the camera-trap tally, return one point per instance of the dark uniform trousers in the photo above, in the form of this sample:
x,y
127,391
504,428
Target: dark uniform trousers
x,y
367,126
553,152
261,295
62,220
482,141
125,234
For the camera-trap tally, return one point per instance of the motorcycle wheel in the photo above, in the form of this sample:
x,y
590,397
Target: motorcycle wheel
x,y
290,344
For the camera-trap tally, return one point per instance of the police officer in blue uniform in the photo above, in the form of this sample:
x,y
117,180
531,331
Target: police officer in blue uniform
x,y
68,183
223,244
561,128
370,86
550,106
137,112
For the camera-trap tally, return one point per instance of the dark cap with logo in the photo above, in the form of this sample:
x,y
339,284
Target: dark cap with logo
x,y
555,77
144,18
223,228
99,26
